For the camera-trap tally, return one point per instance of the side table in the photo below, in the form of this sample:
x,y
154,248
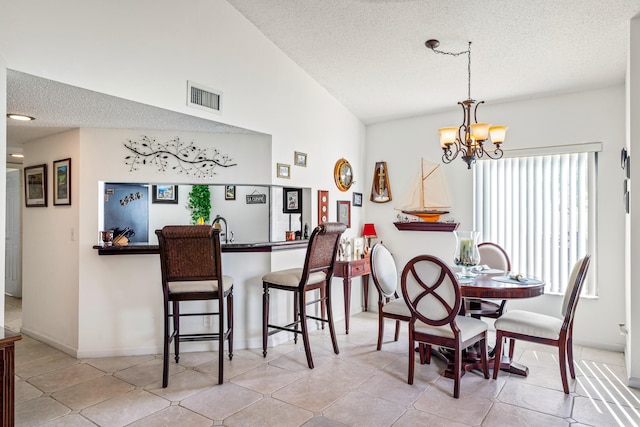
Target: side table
x,y
348,269
7,365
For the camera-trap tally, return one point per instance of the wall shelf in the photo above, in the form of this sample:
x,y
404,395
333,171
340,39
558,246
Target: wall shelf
x,y
426,226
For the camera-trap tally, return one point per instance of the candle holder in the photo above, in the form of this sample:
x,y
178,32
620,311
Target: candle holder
x,y
466,255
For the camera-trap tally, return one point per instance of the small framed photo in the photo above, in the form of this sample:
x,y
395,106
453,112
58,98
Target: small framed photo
x,y
229,192
35,186
291,200
164,193
62,182
357,199
300,159
284,171
344,212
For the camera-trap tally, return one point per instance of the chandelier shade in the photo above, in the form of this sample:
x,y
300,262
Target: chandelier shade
x,y
468,140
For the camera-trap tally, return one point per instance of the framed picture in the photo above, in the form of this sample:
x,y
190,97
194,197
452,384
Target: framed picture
x,y
323,206
344,212
291,200
284,171
62,182
164,193
357,199
300,159
229,192
35,186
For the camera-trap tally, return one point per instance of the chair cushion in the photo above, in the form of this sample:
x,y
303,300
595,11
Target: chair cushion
x,y
292,277
397,307
493,257
200,285
573,282
383,267
469,327
528,323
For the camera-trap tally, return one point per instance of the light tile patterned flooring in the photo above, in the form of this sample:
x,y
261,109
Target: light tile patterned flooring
x,y
358,387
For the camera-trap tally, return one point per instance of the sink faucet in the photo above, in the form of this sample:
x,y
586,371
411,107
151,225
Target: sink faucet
x,y
226,233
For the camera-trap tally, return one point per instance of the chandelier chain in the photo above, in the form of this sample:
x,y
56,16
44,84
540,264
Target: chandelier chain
x,y
468,52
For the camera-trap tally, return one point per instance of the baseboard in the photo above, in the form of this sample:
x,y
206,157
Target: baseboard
x,y
71,351
185,347
634,382
618,348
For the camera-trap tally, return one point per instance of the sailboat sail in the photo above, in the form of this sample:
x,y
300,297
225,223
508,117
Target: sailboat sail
x,y
428,193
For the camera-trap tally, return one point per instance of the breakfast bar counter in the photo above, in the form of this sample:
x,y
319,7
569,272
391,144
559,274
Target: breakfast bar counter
x,y
145,248
131,294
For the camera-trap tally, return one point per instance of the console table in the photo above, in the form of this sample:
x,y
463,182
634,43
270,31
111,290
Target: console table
x,y
7,364
348,269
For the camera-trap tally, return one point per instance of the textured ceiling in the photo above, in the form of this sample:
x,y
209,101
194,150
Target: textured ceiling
x,y
370,54
59,107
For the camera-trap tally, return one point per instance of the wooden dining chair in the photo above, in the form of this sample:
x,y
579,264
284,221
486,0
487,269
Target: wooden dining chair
x,y
192,271
493,256
544,329
315,274
385,278
432,293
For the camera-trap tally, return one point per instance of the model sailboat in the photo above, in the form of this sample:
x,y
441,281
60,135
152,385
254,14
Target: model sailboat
x,y
428,197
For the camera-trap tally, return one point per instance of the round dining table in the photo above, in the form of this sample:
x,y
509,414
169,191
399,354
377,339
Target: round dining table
x,y
496,285
485,286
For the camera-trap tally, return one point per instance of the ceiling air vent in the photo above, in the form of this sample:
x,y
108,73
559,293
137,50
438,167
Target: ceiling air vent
x,y
204,98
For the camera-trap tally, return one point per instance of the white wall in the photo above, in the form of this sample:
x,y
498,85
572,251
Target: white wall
x,y
568,119
3,174
124,49
632,270
51,242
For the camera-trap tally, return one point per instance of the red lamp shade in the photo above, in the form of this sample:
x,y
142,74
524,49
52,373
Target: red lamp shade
x,y
369,230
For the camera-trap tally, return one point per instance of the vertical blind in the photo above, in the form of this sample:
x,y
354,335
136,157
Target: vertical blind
x,y
540,209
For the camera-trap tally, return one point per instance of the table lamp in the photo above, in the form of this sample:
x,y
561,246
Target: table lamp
x,y
368,232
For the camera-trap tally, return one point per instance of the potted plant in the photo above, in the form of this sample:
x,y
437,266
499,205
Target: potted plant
x,y
200,204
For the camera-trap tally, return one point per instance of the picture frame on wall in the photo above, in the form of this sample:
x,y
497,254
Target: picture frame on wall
x,y
283,171
229,192
62,182
344,212
300,159
164,193
35,186
357,199
323,206
291,200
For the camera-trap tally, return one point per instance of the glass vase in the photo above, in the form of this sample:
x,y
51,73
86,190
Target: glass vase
x,y
466,255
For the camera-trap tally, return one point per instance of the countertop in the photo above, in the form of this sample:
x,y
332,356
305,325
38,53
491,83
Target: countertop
x,y
140,248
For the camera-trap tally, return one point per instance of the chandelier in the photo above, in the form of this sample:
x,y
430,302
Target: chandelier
x,y
468,140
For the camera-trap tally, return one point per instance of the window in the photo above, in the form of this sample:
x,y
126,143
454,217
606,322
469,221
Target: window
x,y
541,210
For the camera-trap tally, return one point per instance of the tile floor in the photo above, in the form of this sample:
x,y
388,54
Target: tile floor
x,y
358,387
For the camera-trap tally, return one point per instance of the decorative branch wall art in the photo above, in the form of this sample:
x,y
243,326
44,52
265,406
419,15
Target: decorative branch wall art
x,y
181,157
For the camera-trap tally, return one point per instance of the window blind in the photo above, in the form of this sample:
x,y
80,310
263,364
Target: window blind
x,y
540,209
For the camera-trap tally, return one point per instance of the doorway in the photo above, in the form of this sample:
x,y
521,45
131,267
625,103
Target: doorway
x,y
13,243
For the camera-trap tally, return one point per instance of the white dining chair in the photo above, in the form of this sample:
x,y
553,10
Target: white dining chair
x,y
544,329
385,278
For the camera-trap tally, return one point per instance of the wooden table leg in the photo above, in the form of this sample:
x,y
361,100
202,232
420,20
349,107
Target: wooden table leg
x,y
507,365
471,360
347,302
365,290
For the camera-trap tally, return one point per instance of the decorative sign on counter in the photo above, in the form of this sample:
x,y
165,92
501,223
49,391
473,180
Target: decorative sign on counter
x,y
256,198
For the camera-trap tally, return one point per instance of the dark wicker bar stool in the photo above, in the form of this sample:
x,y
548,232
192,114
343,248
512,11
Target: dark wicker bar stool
x,y
192,271
316,274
